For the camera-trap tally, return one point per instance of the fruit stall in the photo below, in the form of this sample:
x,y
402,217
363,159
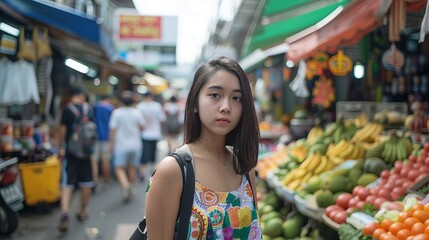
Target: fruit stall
x,y
357,178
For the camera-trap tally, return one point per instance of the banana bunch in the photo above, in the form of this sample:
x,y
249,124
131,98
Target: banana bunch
x,y
396,148
314,134
361,120
345,149
314,164
368,133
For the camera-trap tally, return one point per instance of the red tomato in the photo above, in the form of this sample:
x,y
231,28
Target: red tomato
x,y
360,205
412,158
422,157
330,209
343,200
385,193
370,228
426,146
404,171
385,174
398,166
363,193
340,217
378,201
407,184
353,201
370,199
427,161
356,189
413,174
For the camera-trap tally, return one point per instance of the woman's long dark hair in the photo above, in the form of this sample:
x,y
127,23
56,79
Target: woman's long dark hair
x,y
244,138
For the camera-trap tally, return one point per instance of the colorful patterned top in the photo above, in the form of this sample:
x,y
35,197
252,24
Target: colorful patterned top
x,y
224,215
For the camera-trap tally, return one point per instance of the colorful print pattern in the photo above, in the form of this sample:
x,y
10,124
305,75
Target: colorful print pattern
x,y
224,215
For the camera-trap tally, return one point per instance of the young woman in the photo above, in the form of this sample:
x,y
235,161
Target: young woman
x,y
222,135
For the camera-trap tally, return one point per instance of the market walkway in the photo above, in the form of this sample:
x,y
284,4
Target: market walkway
x,y
110,219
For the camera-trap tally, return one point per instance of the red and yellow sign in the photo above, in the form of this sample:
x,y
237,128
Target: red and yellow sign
x,y
134,27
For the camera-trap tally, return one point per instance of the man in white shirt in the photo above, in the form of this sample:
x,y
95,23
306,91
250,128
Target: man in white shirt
x,y
153,114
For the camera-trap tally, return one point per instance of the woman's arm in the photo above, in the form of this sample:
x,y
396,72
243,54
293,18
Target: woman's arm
x,y
163,200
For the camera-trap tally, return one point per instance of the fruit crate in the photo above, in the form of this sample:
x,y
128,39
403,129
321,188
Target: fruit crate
x,y
349,109
420,188
308,207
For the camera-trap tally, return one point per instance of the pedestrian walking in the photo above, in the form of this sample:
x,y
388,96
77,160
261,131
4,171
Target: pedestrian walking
x,y
126,124
173,123
221,134
77,169
153,114
102,111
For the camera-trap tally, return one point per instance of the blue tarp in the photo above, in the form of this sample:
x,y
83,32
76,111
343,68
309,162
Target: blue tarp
x,y
66,19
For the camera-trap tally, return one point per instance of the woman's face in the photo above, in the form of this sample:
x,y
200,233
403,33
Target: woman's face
x,y
220,103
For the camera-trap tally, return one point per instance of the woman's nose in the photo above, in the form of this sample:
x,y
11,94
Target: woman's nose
x,y
225,106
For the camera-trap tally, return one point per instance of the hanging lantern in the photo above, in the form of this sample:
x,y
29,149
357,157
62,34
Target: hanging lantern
x,y
393,59
340,64
323,93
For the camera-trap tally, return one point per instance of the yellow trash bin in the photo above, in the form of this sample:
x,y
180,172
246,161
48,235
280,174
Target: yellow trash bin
x,y
41,181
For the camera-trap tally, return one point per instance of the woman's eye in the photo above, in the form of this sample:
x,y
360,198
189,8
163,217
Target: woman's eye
x,y
214,95
238,99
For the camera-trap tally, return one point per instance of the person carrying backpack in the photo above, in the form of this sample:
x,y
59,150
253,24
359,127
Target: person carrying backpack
x,y
78,136
174,123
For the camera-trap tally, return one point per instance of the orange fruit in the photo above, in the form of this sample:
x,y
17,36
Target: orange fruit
x,y
403,234
426,207
418,206
370,228
395,227
387,236
418,228
409,222
386,223
377,233
421,215
427,229
421,236
404,215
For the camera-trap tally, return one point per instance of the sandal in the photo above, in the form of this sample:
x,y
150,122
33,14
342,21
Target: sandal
x,y
81,218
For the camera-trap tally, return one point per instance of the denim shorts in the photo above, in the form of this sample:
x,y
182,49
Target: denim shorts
x,y
122,158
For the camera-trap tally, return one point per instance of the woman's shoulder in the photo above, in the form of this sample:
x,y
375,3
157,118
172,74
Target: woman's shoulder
x,y
168,168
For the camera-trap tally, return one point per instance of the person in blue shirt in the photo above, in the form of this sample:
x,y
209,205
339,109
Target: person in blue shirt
x,y
102,111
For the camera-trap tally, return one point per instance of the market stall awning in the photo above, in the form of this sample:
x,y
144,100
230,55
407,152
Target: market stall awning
x,y
346,29
281,19
67,20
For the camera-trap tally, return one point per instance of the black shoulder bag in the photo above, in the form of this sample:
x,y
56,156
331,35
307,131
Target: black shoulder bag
x,y
186,200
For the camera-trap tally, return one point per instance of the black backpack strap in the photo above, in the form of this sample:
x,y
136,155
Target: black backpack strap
x,y
187,198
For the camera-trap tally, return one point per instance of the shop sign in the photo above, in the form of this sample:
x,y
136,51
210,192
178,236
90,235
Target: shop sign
x,y
340,64
130,27
8,44
139,27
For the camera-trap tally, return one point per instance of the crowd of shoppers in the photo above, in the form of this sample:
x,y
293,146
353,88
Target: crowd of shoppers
x,y
127,135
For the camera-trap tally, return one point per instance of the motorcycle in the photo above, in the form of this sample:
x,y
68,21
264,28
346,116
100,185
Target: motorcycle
x,y
11,196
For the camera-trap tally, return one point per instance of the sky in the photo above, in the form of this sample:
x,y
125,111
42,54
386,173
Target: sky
x,y
194,19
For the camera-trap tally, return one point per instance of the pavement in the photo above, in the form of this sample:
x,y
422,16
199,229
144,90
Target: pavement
x,y
110,218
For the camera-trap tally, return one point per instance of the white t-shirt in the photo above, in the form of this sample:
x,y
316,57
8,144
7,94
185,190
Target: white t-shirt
x,y
153,114
127,122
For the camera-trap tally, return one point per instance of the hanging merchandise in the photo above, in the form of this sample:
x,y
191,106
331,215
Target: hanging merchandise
x,y
316,66
298,85
41,41
8,44
27,50
393,59
340,64
397,19
323,93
